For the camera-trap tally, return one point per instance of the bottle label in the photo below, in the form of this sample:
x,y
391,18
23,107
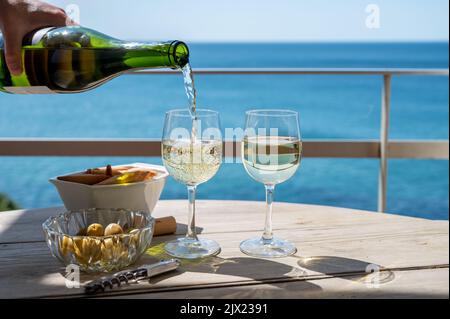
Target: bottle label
x,y
28,90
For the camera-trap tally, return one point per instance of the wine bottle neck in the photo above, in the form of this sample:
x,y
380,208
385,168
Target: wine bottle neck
x,y
179,53
169,54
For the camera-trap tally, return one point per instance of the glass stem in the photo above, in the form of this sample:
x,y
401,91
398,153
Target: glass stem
x,y
191,233
268,235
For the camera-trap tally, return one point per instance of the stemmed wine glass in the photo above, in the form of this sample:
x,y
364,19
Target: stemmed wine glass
x,y
271,154
192,154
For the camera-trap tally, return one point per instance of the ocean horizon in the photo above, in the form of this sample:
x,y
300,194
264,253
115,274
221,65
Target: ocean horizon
x,y
330,107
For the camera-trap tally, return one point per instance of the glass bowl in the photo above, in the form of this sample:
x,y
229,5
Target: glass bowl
x,y
65,235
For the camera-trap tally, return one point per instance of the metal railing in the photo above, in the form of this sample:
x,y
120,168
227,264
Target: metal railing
x,y
382,148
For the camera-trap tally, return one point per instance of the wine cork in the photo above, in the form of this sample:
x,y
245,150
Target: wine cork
x,y
165,226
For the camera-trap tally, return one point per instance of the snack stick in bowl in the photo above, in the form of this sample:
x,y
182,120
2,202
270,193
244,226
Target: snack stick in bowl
x,y
117,170
87,179
109,170
134,175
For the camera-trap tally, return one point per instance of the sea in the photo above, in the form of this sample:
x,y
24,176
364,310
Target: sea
x,y
330,107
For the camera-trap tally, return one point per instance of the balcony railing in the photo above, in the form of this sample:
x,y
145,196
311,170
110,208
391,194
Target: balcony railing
x,y
383,148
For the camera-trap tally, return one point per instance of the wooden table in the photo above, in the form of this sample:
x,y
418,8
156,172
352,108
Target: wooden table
x,y
336,248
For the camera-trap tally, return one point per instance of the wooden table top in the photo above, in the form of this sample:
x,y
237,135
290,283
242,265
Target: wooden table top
x,y
336,249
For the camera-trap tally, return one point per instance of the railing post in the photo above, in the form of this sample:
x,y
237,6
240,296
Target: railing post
x,y
384,142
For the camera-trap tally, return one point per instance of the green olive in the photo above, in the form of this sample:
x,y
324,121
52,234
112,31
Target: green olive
x,y
95,230
87,250
113,248
66,245
113,229
107,249
135,235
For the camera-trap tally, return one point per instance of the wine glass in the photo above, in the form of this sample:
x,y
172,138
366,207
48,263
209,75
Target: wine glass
x,y
271,154
192,154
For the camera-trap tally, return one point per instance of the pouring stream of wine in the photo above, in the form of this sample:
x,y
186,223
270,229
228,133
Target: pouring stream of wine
x,y
191,93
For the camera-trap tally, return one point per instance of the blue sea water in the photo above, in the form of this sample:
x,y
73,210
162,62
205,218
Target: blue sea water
x,y
332,107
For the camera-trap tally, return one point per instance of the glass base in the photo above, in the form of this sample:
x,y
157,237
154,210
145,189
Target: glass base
x,y
192,249
258,247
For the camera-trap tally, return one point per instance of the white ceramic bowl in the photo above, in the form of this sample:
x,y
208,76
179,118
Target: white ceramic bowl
x,y
141,196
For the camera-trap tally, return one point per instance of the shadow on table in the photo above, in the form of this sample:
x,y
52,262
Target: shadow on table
x,y
347,268
250,271
266,270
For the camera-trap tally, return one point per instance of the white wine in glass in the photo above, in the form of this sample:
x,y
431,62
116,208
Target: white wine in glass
x,y
192,163
192,158
271,159
271,154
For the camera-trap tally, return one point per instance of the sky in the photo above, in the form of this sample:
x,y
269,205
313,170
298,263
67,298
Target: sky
x,y
265,20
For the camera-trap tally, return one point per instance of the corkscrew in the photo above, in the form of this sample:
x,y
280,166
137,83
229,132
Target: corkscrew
x,y
142,273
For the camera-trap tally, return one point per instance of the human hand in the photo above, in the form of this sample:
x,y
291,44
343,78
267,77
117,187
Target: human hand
x,y
20,17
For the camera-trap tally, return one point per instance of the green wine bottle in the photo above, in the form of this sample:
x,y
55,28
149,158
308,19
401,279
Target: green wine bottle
x,y
75,59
